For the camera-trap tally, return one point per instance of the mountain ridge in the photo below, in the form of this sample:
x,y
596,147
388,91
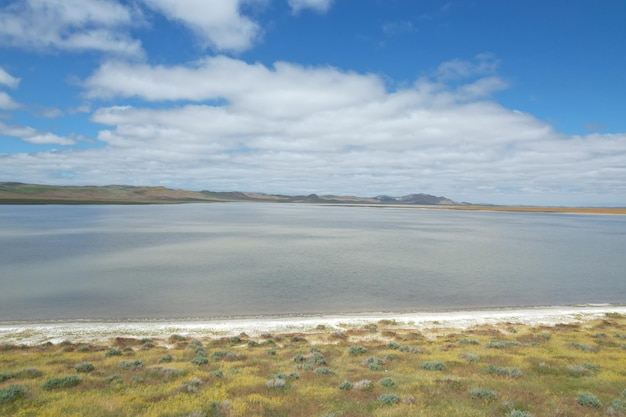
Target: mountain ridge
x,y
23,193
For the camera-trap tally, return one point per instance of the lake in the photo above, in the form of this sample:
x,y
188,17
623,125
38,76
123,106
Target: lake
x,y
202,261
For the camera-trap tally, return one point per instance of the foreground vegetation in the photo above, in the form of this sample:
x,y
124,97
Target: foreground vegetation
x,y
383,369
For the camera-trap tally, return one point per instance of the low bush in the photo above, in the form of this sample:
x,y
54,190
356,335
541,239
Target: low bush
x,y
357,350
113,352
502,371
433,366
324,371
483,394
586,399
389,399
166,359
518,413
11,393
131,365
61,382
84,367
346,386
387,382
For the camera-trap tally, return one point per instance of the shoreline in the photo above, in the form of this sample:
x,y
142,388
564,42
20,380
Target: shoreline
x,y
33,333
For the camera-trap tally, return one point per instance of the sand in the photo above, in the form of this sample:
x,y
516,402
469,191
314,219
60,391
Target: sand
x,y
30,333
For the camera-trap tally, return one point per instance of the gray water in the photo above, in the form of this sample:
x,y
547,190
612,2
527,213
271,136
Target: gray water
x,y
215,260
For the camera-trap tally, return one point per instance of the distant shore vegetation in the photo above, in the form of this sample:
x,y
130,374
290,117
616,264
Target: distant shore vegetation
x,y
382,369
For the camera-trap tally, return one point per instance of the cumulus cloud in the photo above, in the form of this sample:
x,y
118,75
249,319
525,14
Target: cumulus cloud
x,y
217,24
7,79
225,124
31,135
70,25
320,6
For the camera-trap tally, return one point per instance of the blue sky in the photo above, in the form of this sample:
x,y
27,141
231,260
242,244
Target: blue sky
x,y
483,101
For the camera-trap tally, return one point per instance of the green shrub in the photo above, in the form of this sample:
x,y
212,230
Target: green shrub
x,y
483,394
389,399
374,363
29,373
166,359
468,342
217,374
518,413
345,386
433,366
299,358
393,345
502,371
200,360
113,378
61,382
587,399
357,350
131,365
387,382
113,352
324,371
6,375
85,367
11,393
470,357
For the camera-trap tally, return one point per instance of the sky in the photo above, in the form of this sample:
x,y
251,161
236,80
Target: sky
x,y
484,101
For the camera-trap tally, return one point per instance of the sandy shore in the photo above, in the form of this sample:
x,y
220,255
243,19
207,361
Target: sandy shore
x,y
91,331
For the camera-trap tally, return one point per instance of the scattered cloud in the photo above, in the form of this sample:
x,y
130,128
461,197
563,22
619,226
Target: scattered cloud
x,y
217,24
8,80
320,6
31,135
69,25
7,103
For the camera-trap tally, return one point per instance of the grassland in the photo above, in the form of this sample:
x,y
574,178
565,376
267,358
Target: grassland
x,y
380,369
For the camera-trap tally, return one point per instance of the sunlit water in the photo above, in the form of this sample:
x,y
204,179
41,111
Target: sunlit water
x,y
215,260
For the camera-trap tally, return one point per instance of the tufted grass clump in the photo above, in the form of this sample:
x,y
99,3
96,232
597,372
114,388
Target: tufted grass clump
x,y
61,382
346,386
433,366
113,352
11,393
587,399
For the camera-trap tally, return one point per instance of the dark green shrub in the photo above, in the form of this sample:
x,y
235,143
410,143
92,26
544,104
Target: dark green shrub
x,y
85,367
6,375
61,382
11,393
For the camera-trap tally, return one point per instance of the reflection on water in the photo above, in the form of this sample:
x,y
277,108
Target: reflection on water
x,y
208,260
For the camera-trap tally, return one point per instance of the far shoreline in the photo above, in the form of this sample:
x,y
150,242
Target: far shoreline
x,y
34,333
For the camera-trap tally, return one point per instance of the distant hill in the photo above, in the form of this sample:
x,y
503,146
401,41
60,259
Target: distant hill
x,y
19,193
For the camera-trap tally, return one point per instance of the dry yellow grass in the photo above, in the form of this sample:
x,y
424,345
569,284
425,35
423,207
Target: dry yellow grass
x,y
529,370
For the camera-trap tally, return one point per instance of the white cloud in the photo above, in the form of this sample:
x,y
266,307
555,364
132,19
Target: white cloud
x,y
320,6
8,80
225,124
217,24
72,25
285,90
7,103
28,134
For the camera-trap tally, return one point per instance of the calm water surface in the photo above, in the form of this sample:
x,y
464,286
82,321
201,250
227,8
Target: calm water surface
x,y
214,260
